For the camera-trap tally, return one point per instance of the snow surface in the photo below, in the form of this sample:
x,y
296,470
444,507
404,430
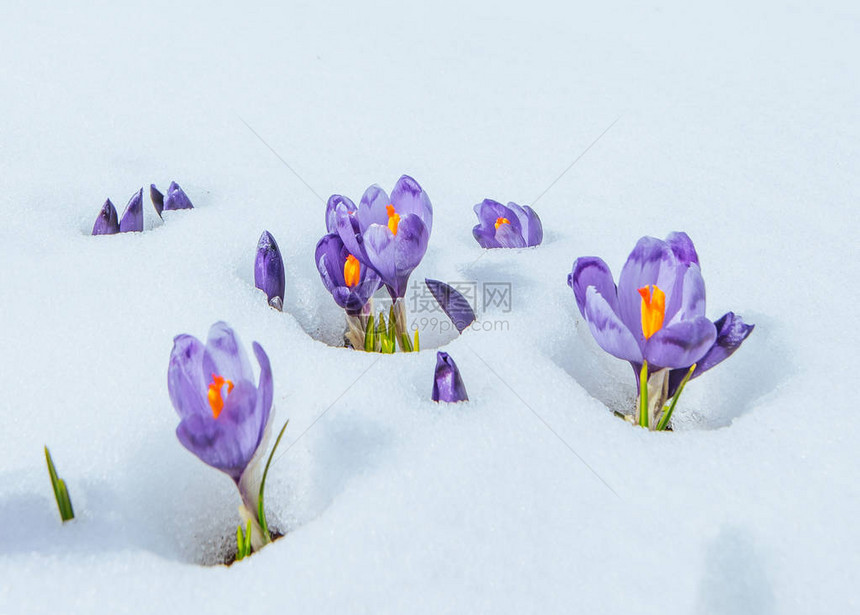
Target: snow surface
x,y
737,122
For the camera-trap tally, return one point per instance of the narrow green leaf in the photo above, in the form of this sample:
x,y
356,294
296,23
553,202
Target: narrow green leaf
x,y
381,331
61,493
261,513
667,414
643,395
392,336
416,346
368,335
247,548
407,343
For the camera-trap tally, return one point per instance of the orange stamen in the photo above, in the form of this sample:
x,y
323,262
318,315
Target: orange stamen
x,y
393,218
501,221
351,271
653,309
216,400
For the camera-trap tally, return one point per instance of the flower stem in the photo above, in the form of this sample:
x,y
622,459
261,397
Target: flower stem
x,y
643,395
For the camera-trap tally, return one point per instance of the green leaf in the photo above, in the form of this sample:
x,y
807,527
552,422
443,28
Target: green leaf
x,y
261,513
407,344
667,414
368,335
61,493
240,543
643,395
416,346
392,336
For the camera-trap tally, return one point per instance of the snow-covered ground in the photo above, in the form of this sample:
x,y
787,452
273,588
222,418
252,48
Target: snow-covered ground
x,y
737,122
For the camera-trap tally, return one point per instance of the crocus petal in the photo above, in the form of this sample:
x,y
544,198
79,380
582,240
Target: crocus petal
x,y
688,299
488,211
683,248
327,255
176,198
106,223
331,209
651,262
132,217
350,233
409,198
592,271
265,388
680,344
225,356
269,270
229,442
453,303
508,237
485,236
731,333
185,377
607,328
157,199
447,383
372,208
395,257
532,228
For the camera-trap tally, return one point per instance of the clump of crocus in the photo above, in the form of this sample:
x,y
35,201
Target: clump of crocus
x,y
447,383
388,234
174,199
506,227
224,416
269,270
655,319
131,221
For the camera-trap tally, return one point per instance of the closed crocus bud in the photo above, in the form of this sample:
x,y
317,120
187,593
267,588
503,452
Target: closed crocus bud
x,y
132,217
176,198
106,223
447,383
157,199
269,270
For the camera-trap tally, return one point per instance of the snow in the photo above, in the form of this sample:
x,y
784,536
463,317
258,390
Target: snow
x,y
736,123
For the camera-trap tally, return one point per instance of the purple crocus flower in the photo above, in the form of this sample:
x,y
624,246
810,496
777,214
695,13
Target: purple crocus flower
x,y
387,234
107,222
132,217
447,384
269,270
176,198
350,283
506,227
657,311
224,416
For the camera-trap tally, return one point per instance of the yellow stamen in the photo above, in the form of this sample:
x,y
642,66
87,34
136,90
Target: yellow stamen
x,y
351,271
501,221
653,309
216,401
393,218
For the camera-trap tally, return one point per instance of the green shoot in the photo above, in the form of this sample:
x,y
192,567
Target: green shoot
x,y
664,420
416,346
61,494
261,513
368,335
243,541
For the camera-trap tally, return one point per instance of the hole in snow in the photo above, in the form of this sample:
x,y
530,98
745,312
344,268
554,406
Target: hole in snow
x,y
713,400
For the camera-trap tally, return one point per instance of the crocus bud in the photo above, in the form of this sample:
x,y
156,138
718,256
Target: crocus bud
x,y
106,223
132,217
269,270
447,383
176,198
157,199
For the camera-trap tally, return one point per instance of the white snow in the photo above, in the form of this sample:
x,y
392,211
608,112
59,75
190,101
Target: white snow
x,y
737,122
